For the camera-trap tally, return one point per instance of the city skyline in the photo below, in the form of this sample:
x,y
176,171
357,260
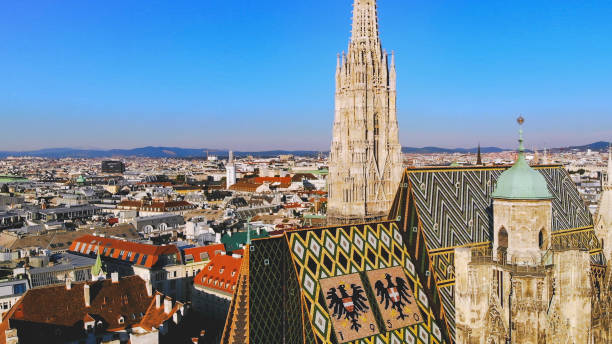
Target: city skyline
x,y
124,76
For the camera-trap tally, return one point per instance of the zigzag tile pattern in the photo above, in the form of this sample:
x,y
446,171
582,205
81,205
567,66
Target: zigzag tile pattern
x,y
454,208
455,204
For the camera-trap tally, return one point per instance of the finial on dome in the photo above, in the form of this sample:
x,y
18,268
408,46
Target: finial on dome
x,y
520,120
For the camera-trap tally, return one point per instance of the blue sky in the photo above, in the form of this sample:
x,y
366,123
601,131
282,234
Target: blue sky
x,y
255,75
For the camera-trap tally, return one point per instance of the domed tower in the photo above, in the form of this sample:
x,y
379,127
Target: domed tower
x,y
522,214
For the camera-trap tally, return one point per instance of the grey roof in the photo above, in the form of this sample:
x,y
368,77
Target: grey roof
x,y
67,261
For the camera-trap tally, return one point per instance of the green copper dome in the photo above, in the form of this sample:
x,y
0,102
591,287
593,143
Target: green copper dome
x,y
521,181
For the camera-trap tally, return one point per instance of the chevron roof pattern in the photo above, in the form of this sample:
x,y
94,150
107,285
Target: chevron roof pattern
x,y
451,207
455,205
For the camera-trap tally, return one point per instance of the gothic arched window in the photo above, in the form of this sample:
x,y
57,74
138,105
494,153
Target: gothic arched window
x,y
502,238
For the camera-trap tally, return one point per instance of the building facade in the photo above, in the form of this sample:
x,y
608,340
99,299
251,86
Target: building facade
x,y
365,162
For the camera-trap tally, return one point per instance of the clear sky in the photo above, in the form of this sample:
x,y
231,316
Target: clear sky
x,y
255,75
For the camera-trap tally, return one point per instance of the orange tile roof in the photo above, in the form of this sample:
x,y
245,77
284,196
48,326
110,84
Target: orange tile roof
x,y
220,274
281,180
136,253
212,250
245,186
156,316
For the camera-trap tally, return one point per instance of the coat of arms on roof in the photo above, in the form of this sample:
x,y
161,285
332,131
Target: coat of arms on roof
x,y
348,306
394,297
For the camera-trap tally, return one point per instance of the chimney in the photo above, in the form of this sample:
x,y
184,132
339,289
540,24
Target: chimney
x,y
68,283
87,295
149,288
157,300
167,305
115,277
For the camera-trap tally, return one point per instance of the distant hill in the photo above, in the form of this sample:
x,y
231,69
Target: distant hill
x,y
176,152
426,150
600,146
149,152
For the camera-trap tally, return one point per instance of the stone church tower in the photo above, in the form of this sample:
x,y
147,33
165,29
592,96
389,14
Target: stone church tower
x,y
526,290
365,163
603,217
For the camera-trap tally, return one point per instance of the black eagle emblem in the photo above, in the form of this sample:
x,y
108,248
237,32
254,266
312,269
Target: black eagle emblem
x,y
351,306
396,294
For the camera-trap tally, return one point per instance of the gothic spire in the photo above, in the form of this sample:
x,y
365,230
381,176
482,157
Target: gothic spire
x,y
478,157
96,269
365,21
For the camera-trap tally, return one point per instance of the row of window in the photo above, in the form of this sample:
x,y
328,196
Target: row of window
x,y
110,252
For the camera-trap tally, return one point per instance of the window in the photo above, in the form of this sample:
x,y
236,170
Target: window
x,y
105,251
136,256
188,258
76,247
144,259
19,289
112,251
502,240
541,239
129,256
174,273
121,253
204,256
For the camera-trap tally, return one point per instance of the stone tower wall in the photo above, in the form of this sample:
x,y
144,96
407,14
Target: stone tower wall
x,y
365,161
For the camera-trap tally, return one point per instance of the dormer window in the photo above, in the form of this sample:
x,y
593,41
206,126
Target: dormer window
x,y
210,268
233,273
121,320
221,270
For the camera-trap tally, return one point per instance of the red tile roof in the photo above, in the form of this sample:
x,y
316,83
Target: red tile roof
x,y
221,274
157,205
245,186
136,253
65,308
210,250
280,180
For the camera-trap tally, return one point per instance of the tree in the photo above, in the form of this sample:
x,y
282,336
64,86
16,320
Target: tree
x,y
4,188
